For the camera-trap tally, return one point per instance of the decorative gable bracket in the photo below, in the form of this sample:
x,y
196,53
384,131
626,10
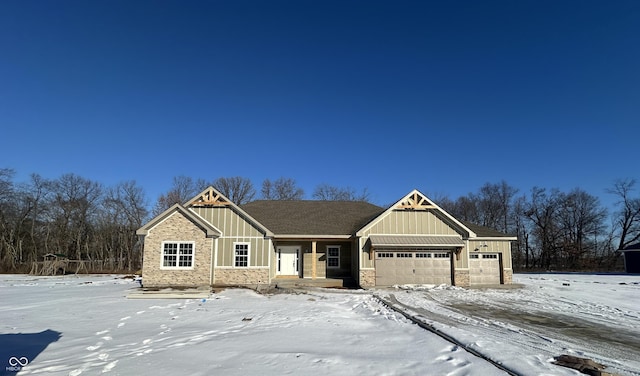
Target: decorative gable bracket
x,y
416,201
210,198
458,251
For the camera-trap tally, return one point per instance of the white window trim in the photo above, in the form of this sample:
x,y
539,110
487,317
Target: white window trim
x,y
248,254
193,255
333,257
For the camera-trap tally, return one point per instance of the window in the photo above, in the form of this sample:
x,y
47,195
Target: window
x,y
333,256
404,255
492,256
385,255
177,255
474,256
441,255
241,255
423,255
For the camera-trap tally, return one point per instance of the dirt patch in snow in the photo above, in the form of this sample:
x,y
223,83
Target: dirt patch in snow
x,y
554,325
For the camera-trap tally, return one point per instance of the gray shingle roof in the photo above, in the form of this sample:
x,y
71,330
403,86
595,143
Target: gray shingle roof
x,y
312,217
484,232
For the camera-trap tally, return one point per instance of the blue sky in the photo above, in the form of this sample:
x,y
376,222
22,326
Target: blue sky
x,y
441,96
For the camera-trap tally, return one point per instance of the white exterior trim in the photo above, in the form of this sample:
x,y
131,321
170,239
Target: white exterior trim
x,y
178,242
314,237
328,257
248,244
493,238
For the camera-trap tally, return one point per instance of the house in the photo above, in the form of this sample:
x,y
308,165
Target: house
x,y
212,241
632,258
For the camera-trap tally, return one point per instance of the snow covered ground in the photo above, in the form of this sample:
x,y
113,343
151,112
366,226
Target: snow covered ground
x,y
84,325
585,315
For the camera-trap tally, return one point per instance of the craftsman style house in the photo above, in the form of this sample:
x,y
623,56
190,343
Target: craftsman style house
x,y
212,241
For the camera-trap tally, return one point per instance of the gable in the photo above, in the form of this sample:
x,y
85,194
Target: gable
x,y
229,222
219,211
177,209
407,222
415,214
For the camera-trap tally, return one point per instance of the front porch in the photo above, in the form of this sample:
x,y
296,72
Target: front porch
x,y
289,283
327,261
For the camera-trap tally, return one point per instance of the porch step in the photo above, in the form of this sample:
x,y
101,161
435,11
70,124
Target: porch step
x,y
348,283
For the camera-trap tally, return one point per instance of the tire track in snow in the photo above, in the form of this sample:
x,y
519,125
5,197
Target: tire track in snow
x,y
393,304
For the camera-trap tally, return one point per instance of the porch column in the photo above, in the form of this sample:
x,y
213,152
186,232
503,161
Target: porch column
x,y
314,260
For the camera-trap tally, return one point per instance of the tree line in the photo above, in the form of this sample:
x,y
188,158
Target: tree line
x,y
82,219
556,230
85,220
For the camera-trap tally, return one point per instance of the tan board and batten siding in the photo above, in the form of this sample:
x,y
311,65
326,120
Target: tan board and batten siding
x,y
404,223
236,229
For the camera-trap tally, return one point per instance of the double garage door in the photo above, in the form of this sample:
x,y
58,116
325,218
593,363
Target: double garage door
x,y
413,267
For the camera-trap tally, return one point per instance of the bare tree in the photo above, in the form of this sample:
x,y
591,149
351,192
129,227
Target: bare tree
x,y
74,208
328,192
36,194
466,208
124,212
542,211
281,189
6,182
627,218
8,253
183,189
494,205
237,189
522,232
580,218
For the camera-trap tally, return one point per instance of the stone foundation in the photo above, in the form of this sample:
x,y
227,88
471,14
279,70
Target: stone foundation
x,y
367,278
507,275
461,278
241,276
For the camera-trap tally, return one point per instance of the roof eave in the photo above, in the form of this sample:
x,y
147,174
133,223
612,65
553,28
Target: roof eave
x,y
494,238
209,229
306,236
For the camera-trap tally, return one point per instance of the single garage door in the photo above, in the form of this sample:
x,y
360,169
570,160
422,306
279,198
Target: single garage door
x,y
484,269
413,267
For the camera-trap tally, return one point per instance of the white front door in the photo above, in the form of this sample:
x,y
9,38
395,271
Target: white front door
x,y
288,259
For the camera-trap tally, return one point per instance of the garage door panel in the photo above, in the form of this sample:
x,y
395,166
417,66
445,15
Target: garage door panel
x,y
484,269
394,270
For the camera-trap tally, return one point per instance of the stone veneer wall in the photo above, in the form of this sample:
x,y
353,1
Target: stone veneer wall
x,y
461,278
241,276
367,278
507,275
176,228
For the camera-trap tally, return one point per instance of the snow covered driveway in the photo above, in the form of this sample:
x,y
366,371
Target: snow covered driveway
x,y
593,316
